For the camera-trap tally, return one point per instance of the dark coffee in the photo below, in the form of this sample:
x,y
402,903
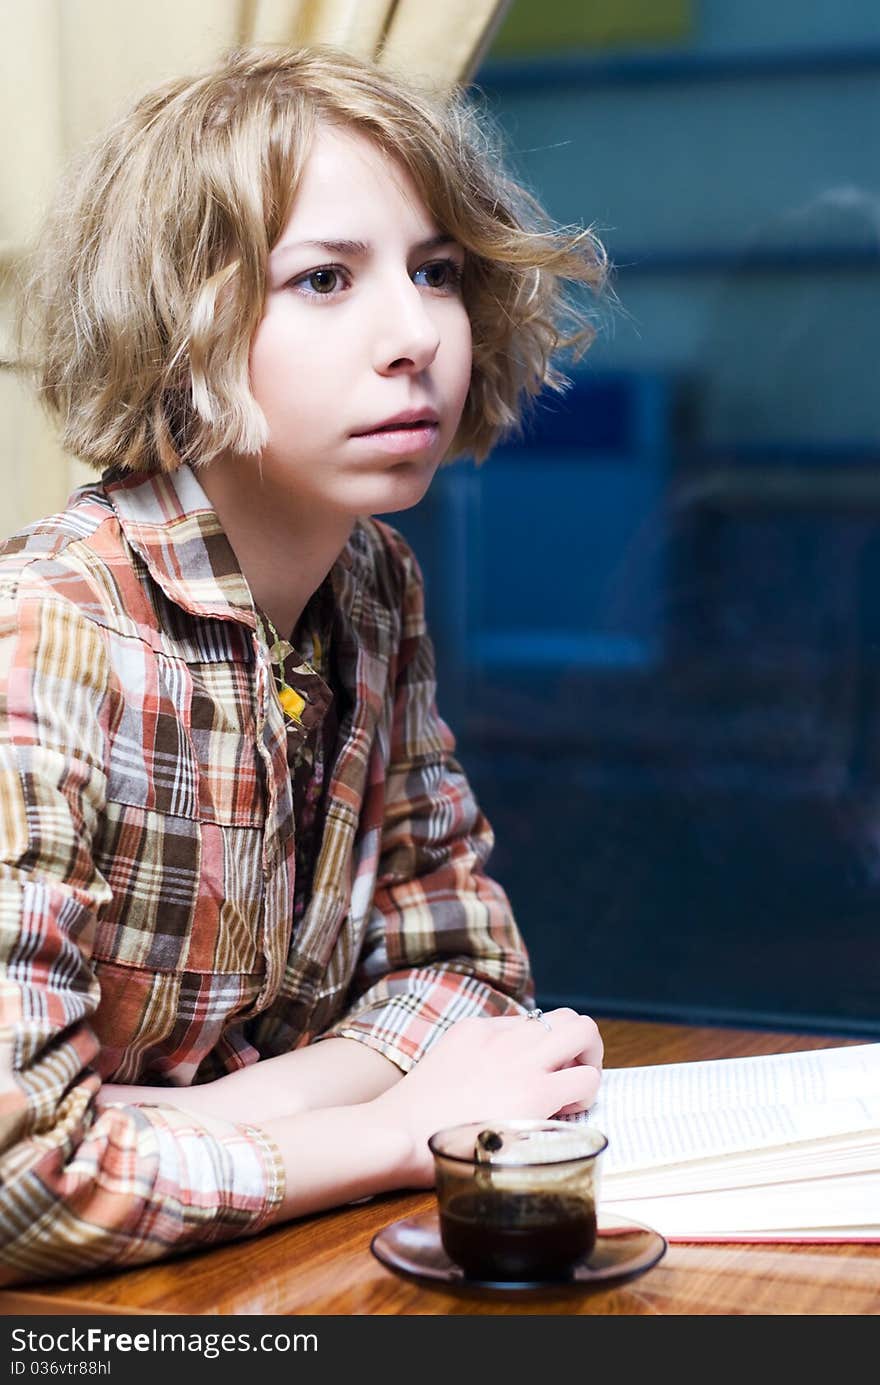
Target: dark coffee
x,y
515,1236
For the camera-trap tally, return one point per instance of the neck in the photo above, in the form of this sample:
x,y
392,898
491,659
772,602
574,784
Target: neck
x,y
285,548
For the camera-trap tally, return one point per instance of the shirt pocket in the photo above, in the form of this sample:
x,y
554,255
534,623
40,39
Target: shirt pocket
x,y
183,741
182,837
151,758
185,895
221,722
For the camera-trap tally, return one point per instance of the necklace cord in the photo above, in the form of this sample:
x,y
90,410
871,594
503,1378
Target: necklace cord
x,y
292,702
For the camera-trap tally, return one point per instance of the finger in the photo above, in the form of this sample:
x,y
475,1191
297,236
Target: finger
x,y
572,1038
576,1087
575,1107
593,1051
594,1055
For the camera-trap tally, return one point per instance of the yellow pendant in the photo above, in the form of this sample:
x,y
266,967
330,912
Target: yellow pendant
x,y
291,701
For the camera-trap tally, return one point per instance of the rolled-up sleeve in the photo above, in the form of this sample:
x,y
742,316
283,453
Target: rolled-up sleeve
x,y
82,1189
442,943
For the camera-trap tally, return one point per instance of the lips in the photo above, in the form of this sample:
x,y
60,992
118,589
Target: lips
x,y
408,441
400,427
409,418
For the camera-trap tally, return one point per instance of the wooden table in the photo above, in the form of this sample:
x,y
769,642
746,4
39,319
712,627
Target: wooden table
x,y
323,1264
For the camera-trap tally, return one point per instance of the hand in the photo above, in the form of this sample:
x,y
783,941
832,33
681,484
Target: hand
x,y
488,1068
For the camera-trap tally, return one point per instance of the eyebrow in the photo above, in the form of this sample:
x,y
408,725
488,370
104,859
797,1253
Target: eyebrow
x,y
361,248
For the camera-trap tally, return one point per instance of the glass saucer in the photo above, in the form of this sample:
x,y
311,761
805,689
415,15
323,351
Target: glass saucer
x,y
623,1249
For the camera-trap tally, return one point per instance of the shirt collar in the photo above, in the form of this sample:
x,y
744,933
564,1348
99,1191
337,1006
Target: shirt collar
x,y
168,519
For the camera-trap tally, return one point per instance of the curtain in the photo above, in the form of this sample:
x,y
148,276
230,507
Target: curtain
x,y
67,67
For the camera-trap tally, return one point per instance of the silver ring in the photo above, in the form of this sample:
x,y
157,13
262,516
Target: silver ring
x,y
538,1015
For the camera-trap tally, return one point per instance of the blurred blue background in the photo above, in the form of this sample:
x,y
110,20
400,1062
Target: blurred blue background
x,y
657,617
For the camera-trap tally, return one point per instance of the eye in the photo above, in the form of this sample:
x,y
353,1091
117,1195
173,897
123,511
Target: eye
x,y
444,274
323,281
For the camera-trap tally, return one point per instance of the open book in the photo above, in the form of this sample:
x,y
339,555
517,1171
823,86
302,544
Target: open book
x,y
777,1148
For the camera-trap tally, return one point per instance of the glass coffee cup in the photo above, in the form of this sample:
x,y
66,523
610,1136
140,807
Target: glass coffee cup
x,y
517,1198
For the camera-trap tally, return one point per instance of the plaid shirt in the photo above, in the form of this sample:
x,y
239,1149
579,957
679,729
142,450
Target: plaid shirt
x,y
148,864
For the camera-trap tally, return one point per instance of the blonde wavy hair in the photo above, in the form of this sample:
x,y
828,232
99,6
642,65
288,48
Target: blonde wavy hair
x,y
142,293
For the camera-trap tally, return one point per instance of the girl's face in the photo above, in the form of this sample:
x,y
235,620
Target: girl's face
x,y
355,334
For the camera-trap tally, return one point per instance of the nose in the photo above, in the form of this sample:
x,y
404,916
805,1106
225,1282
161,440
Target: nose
x,y
407,337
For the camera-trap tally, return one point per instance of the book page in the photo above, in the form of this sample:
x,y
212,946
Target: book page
x,y
675,1112
675,1143
812,1209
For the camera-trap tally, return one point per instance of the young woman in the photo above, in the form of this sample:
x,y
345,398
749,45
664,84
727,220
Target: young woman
x,y
250,955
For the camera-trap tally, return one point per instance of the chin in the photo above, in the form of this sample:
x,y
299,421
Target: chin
x,y
402,487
